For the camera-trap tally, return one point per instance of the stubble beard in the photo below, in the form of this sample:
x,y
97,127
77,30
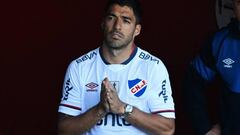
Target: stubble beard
x,y
117,44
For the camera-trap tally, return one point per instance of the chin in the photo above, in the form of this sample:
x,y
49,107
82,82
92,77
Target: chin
x,y
114,44
116,47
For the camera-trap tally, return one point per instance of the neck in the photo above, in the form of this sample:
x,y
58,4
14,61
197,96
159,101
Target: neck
x,y
117,56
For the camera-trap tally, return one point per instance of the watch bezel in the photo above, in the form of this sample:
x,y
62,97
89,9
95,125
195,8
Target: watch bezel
x,y
128,110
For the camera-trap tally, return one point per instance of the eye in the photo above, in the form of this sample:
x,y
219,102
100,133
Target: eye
x,y
126,21
109,17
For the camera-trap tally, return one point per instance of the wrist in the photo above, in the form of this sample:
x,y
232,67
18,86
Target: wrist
x,y
128,109
100,111
122,109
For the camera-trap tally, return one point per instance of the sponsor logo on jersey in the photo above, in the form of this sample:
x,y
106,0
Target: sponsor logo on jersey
x,y
137,87
86,57
91,87
67,88
146,56
112,119
163,92
228,62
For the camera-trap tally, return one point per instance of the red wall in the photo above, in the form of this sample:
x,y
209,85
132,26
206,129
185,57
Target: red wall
x,y
40,38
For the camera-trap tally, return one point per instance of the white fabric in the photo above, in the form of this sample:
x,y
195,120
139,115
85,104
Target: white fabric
x,y
82,87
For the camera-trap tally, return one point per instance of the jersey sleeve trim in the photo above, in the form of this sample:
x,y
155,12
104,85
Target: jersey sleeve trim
x,y
69,110
71,106
166,113
163,111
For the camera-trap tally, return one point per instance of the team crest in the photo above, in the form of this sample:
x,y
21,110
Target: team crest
x,y
137,87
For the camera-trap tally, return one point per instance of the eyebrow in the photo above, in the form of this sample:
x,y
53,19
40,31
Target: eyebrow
x,y
111,14
124,17
128,18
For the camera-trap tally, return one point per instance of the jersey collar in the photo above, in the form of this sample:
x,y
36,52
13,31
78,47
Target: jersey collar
x,y
134,52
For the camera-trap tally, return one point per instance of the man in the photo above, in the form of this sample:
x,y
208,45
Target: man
x,y
117,88
219,59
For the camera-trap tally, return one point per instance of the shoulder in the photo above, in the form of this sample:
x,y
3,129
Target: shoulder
x,y
147,57
83,60
222,33
152,62
230,30
88,57
219,38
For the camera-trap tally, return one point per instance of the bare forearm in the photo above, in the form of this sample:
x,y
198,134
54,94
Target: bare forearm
x,y
152,123
80,124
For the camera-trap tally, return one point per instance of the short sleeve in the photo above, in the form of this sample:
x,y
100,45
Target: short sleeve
x,y
160,100
71,95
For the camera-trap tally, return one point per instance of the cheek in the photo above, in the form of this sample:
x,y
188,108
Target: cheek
x,y
129,30
107,26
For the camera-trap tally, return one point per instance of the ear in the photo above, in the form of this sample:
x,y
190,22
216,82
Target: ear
x,y
137,29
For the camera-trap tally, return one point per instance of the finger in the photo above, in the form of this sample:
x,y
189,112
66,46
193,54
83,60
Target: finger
x,y
114,91
105,100
108,84
105,79
113,94
103,88
108,89
104,83
109,98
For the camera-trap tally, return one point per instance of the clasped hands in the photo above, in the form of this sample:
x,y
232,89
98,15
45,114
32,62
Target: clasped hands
x,y
109,99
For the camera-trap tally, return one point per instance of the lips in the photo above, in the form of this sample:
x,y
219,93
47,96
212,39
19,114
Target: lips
x,y
116,35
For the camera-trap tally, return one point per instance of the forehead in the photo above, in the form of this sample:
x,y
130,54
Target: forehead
x,y
123,10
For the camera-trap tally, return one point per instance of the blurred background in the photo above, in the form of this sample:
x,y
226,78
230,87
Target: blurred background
x,y
40,38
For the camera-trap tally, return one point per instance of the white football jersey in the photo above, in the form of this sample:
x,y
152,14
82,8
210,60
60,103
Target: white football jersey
x,y
142,81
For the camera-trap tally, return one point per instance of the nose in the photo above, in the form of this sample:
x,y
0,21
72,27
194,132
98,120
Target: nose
x,y
118,24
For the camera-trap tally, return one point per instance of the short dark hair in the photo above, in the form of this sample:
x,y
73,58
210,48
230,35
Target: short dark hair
x,y
134,4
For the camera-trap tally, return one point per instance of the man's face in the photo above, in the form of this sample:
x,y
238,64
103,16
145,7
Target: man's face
x,y
237,9
119,27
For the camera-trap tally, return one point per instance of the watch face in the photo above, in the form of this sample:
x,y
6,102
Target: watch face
x,y
129,108
224,12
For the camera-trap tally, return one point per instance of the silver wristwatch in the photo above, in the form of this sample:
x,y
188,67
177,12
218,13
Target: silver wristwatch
x,y
128,109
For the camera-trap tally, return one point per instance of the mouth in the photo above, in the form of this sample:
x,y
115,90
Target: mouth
x,y
116,35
